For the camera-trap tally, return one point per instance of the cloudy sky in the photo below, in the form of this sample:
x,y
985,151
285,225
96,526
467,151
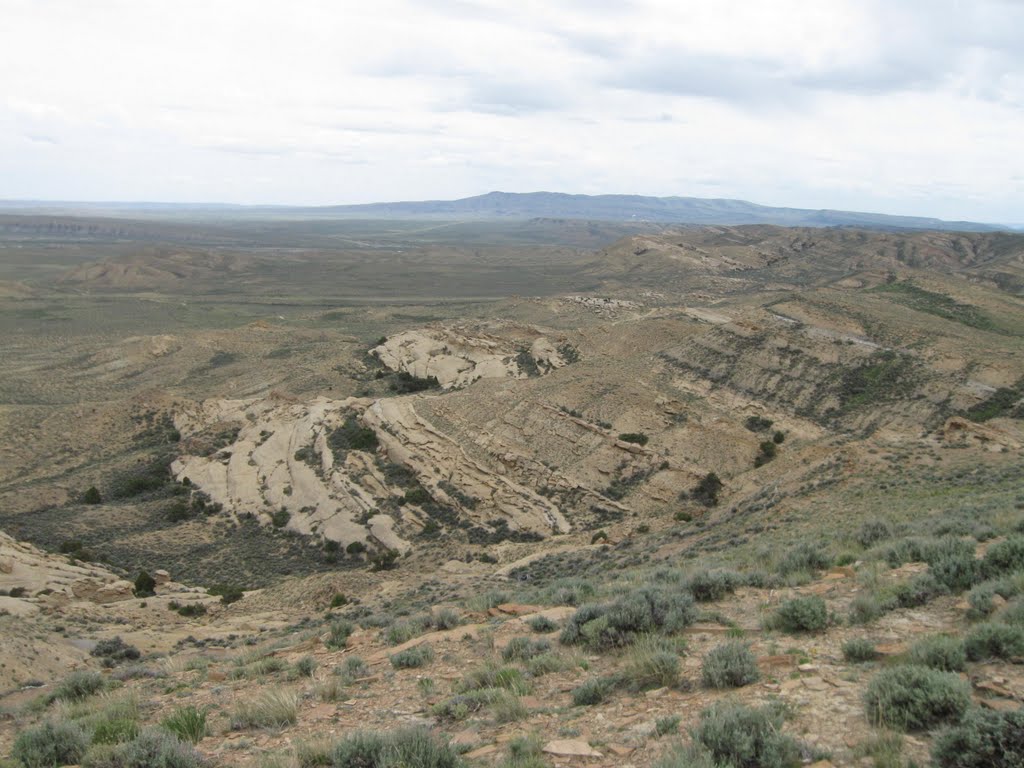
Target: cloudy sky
x,y
899,106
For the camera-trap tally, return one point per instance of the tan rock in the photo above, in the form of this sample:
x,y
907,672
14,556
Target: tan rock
x,y
6,565
517,609
490,749
570,748
161,577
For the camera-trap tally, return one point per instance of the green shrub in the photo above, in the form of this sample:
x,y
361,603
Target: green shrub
x,y
870,606
446,618
730,665
859,650
462,705
644,611
667,724
1004,557
524,649
569,591
115,730
994,641
939,652
384,560
412,658
912,698
872,532
145,585
77,686
338,634
688,756
883,749
525,752
744,737
413,747
634,437
593,691
650,664
547,663
352,436
114,651
982,740
951,561
1013,613
50,744
306,666
152,748
758,423
706,586
906,550
187,723
258,668
918,590
228,593
706,491
806,557
769,449
92,496
504,704
507,708
188,610
354,668
272,709
494,676
542,624
801,614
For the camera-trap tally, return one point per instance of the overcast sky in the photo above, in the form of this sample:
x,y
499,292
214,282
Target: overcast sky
x,y
898,106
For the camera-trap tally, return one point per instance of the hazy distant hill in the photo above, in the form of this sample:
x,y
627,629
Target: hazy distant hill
x,y
683,210
513,206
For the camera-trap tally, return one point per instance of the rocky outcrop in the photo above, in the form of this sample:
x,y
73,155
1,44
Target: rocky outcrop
x,y
458,356
453,477
282,460
285,468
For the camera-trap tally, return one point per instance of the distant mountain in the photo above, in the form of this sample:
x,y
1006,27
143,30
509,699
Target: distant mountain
x,y
675,210
522,206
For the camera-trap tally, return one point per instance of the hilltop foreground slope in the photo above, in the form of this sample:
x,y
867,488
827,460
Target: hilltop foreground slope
x,y
723,495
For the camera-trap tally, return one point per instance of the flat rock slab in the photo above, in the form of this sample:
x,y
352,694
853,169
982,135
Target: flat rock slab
x,y
570,748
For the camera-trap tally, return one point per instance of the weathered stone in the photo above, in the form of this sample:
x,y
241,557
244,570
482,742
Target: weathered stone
x,y
569,748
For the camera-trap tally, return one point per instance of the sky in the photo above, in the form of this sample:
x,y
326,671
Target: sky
x,y
897,106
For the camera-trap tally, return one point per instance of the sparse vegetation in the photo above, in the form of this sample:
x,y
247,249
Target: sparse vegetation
x,y
730,665
913,698
54,743
858,650
707,490
994,640
270,709
404,747
983,739
939,652
801,614
412,658
737,735
188,723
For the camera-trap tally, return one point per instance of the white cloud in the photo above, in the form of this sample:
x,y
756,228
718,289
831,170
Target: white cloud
x,y
906,107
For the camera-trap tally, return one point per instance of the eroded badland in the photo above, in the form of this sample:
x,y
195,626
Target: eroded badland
x,y
557,493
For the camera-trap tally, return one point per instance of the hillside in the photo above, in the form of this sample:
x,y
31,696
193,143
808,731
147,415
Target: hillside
x,y
543,505
523,205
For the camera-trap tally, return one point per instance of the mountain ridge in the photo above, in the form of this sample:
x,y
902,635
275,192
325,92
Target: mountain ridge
x,y
559,205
